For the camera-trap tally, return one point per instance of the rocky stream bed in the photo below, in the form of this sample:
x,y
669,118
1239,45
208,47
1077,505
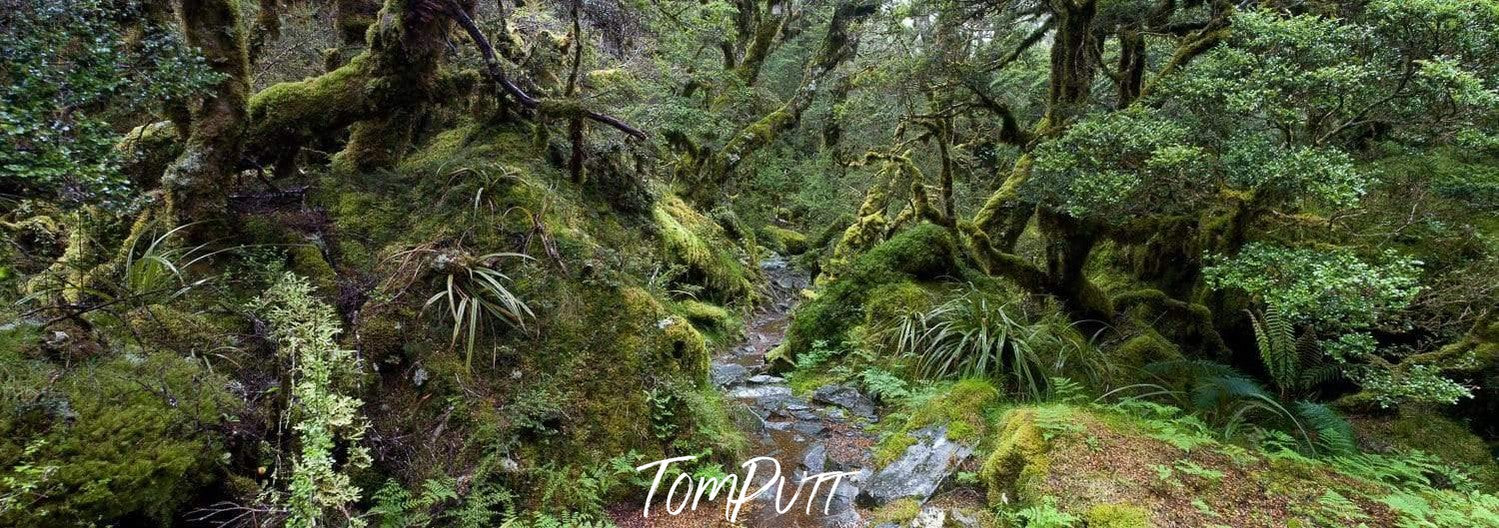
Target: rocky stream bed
x,y
824,431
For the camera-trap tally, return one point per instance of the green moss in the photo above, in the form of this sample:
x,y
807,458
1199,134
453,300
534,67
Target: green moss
x,y
693,240
171,328
1143,349
964,408
126,437
704,314
1020,460
717,323
1426,430
147,150
888,303
306,260
1117,516
784,241
925,252
899,511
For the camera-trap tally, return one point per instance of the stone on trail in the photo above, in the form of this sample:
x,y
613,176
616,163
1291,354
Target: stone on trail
x,y
725,374
919,471
846,397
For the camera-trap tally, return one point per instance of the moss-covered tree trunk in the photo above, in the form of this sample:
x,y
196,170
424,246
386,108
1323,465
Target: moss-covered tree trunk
x,y
378,94
838,46
195,183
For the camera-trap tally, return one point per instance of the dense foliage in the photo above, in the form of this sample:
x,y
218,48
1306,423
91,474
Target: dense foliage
x,y
449,262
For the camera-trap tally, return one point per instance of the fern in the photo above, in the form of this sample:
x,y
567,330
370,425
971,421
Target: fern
x,y
1043,515
1277,346
1332,433
883,385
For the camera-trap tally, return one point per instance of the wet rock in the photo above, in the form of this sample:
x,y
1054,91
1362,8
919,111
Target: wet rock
x,y
929,517
803,414
846,397
760,392
749,421
809,428
766,379
815,458
724,374
840,507
965,519
779,426
919,471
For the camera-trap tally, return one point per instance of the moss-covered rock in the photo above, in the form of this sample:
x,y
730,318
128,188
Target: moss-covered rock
x,y
614,339
923,253
1144,349
1020,461
717,323
965,408
1414,428
129,437
784,241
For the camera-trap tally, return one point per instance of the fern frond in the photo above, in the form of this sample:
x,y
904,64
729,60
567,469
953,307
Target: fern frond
x,y
1332,431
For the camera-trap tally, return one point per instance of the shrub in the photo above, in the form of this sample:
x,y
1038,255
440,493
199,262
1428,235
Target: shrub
x,y
323,415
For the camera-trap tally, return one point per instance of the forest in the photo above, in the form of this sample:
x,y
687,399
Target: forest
x,y
537,263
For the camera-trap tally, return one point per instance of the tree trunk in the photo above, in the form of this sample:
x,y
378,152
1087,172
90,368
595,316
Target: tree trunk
x,y
196,183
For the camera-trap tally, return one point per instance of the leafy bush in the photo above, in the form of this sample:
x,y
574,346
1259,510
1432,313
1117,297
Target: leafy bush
x,y
71,76
324,415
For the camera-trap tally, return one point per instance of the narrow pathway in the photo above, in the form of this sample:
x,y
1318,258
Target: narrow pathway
x,y
816,434
807,436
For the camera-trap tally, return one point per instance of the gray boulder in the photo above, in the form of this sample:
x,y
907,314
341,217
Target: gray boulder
x,y
919,471
724,374
846,397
